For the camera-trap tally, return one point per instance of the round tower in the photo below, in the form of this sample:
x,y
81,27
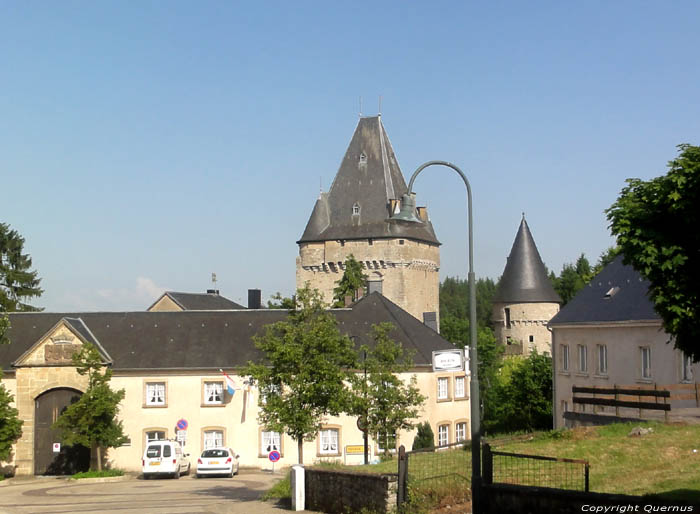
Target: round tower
x,y
525,300
400,259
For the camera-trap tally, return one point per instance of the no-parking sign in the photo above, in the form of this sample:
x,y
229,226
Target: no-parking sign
x,y
274,456
182,424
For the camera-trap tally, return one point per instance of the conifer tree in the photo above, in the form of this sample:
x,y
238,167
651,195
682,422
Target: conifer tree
x,y
18,283
351,284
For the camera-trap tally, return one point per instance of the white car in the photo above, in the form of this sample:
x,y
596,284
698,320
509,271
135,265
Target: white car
x,y
165,458
218,461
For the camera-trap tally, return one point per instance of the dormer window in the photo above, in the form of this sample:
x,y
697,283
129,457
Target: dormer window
x,y
363,159
611,292
356,209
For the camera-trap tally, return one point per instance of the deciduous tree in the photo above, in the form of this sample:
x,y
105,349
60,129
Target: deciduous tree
x,y
302,377
91,421
656,226
387,402
352,283
10,424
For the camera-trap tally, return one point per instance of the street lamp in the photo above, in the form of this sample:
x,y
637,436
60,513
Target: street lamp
x,y
408,213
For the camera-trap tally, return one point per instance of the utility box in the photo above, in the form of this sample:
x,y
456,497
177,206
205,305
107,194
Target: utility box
x,y
298,488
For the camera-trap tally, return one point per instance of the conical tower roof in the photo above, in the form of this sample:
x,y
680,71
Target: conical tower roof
x,y
357,206
525,278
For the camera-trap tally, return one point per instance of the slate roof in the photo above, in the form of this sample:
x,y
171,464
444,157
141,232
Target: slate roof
x,y
628,303
200,301
369,176
525,278
210,339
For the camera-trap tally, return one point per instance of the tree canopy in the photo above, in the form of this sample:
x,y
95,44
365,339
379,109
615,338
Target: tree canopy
x,y
386,402
18,283
656,226
352,283
302,376
91,421
454,299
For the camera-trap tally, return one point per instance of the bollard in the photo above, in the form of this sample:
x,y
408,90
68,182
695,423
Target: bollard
x,y
298,489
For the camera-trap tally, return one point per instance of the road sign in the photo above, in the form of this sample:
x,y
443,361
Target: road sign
x,y
361,424
354,449
56,447
274,456
448,360
182,424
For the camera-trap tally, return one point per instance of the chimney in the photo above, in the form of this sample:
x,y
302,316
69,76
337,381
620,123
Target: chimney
x,y
374,286
430,320
254,299
348,300
212,291
422,213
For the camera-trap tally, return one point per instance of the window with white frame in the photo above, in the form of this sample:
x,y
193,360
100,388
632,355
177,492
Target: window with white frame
x,y
686,368
328,441
459,387
270,441
386,440
582,358
461,432
442,388
213,393
155,393
645,353
155,435
213,439
564,351
602,359
443,435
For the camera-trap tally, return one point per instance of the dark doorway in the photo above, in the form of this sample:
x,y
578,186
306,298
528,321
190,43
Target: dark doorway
x,y
70,460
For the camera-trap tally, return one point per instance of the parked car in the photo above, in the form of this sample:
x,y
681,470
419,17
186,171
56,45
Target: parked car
x,y
165,458
218,461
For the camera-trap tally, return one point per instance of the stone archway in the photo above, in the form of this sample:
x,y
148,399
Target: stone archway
x,y
47,407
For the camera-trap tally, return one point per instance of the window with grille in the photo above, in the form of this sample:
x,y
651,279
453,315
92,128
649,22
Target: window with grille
x,y
328,441
582,358
213,393
386,440
564,357
213,439
460,432
602,359
155,435
270,441
442,388
443,435
686,368
155,393
459,387
646,361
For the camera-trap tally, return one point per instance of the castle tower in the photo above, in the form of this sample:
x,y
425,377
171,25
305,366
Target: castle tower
x,y
525,300
401,259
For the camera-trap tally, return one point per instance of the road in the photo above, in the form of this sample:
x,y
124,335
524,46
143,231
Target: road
x,y
238,495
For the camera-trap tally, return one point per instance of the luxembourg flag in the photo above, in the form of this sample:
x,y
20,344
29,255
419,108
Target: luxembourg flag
x,y
230,384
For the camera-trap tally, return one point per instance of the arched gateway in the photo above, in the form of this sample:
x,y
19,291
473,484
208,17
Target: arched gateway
x,y
48,407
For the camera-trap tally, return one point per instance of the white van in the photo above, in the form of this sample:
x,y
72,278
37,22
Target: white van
x,y
165,458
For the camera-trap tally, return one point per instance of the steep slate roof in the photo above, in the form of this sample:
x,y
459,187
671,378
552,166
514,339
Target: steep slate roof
x,y
628,303
210,339
200,301
370,184
524,277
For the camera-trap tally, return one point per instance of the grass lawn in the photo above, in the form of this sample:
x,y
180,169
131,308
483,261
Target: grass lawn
x,y
99,474
663,461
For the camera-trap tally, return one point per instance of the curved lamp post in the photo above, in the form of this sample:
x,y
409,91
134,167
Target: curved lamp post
x,y
407,213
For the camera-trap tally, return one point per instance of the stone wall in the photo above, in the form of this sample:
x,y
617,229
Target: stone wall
x,y
408,270
334,491
528,325
513,499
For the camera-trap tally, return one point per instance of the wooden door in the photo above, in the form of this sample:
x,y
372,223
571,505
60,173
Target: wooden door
x,y
70,460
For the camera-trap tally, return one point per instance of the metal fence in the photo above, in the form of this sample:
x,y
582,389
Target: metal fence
x,y
436,472
534,470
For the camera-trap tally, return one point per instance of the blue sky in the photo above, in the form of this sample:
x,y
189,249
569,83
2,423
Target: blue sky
x,y
144,145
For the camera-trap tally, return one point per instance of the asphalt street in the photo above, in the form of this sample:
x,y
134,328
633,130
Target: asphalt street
x,y
132,494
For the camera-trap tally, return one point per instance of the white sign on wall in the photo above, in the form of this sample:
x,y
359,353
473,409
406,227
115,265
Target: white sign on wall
x,y
448,360
56,447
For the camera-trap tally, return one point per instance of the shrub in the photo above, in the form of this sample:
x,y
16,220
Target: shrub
x,y
425,438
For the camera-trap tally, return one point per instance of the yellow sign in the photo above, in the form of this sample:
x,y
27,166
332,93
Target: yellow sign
x,y
355,449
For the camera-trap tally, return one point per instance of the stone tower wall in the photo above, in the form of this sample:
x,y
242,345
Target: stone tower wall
x,y
408,269
526,320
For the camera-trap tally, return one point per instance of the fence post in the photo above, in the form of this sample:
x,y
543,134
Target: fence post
x,y
586,477
403,473
697,400
617,398
488,464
